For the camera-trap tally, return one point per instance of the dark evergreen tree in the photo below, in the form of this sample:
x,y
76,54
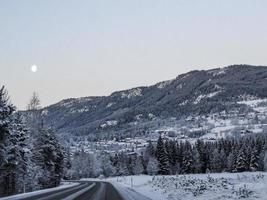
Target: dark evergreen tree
x,y
49,158
241,163
164,166
203,156
254,160
16,155
187,162
6,168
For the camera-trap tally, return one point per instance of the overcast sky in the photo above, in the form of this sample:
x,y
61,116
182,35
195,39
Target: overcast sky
x,y
84,48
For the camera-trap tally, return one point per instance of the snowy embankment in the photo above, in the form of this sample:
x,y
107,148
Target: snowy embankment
x,y
64,185
248,185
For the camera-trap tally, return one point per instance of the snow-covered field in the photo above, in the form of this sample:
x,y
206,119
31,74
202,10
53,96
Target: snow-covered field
x,y
248,185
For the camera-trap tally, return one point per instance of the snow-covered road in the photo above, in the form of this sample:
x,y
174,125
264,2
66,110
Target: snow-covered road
x,y
82,190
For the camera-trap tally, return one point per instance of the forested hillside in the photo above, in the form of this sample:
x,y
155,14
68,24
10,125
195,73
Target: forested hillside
x,y
137,111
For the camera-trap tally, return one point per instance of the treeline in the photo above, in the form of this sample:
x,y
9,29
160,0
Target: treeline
x,y
225,155
166,157
31,157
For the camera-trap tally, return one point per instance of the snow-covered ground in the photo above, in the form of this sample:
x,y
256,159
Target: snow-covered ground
x,y
64,185
248,185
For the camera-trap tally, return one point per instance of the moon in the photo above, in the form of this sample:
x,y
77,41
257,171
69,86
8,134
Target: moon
x,y
34,68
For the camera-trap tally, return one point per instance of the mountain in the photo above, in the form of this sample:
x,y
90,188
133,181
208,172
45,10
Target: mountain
x,y
142,110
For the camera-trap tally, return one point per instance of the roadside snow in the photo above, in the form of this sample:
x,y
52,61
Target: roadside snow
x,y
128,193
233,186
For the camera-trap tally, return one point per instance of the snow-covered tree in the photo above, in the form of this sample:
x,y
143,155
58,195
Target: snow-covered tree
x,y
265,161
48,157
241,163
107,166
138,166
31,157
203,155
164,166
187,162
152,166
254,160
6,176
172,155
149,152
218,159
16,156
231,162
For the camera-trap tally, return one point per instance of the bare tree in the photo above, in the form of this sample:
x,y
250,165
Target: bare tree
x,y
34,103
34,118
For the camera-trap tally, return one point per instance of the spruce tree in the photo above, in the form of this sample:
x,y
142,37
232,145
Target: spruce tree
x,y
215,161
265,160
16,155
164,166
254,160
187,162
203,156
174,167
231,162
241,164
6,169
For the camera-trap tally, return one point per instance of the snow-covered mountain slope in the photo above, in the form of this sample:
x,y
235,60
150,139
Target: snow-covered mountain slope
x,y
206,104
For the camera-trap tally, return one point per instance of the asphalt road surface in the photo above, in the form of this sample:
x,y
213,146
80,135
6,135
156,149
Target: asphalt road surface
x,y
83,191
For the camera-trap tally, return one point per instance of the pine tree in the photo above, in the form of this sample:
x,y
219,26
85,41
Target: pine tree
x,y
6,110
187,162
203,156
164,167
67,163
241,164
215,161
231,162
254,160
196,161
6,175
49,159
218,159
172,155
265,160
16,155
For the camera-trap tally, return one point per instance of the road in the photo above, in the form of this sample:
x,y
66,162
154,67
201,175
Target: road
x,y
83,191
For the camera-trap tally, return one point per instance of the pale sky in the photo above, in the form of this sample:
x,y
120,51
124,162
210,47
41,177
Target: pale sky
x,y
88,48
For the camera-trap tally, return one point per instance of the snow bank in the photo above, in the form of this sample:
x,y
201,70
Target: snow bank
x,y
248,185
